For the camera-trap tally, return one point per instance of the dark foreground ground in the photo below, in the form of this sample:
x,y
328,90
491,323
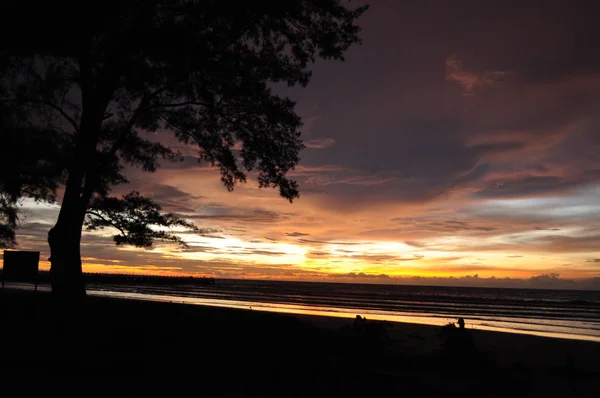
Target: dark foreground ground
x,y
110,347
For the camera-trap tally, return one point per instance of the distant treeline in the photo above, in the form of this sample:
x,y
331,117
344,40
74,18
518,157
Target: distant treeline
x,y
132,279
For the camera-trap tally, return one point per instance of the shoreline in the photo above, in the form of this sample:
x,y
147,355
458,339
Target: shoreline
x,y
424,338
347,313
431,319
254,353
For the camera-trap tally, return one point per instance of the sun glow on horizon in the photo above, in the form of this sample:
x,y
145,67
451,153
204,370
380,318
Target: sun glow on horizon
x,y
435,245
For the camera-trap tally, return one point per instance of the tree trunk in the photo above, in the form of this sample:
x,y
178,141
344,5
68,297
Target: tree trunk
x,y
64,239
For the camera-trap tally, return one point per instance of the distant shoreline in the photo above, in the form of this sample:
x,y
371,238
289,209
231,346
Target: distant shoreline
x,y
101,277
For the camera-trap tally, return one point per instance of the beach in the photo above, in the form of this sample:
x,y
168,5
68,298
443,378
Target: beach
x,y
117,347
571,314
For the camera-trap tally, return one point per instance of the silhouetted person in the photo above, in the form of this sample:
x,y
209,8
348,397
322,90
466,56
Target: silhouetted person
x,y
457,342
359,324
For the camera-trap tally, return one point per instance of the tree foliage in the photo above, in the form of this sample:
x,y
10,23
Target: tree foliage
x,y
108,82
8,222
139,220
29,167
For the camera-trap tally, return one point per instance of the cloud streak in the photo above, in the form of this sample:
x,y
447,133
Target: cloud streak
x,y
320,143
471,82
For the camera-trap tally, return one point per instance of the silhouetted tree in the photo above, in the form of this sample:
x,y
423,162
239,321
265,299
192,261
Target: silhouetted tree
x,y
105,77
134,217
29,166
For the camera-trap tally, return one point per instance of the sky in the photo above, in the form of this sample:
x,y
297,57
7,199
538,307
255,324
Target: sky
x,y
458,145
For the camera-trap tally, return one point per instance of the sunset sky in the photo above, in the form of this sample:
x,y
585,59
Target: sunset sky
x,y
461,139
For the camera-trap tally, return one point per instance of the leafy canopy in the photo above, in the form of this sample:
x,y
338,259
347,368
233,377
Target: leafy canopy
x,y
29,166
139,220
107,81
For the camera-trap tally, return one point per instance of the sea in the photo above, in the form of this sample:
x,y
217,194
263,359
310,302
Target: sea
x,y
570,314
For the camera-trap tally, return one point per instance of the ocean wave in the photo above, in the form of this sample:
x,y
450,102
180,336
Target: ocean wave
x,y
547,311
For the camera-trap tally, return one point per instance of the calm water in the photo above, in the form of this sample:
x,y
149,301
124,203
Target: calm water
x,y
556,313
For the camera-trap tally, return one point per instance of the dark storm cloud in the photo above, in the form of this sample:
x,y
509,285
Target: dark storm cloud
x,y
543,41
529,186
524,186
419,161
399,119
404,123
475,175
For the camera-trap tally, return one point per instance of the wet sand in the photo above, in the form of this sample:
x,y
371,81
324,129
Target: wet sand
x,y
133,348
507,348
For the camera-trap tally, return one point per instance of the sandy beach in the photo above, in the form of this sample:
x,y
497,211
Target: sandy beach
x,y
133,348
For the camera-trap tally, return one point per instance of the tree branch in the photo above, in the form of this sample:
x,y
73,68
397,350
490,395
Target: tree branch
x,y
121,139
298,27
110,222
181,129
64,114
178,104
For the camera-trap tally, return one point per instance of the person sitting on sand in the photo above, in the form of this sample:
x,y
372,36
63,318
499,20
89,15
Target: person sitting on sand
x,y
457,342
360,323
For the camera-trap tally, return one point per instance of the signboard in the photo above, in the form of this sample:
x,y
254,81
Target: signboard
x,y
20,266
